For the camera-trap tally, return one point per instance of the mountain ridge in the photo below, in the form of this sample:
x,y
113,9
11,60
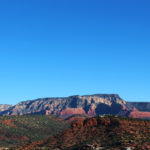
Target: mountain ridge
x,y
90,105
4,107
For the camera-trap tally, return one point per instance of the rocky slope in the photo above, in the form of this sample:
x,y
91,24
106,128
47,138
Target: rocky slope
x,y
107,132
88,105
4,107
18,130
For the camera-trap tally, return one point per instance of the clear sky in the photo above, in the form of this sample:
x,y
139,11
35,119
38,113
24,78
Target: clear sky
x,y
66,47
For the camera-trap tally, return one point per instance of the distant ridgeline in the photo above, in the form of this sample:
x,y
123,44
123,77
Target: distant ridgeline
x,y
88,105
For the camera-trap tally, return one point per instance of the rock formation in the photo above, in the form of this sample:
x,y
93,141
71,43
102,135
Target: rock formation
x,y
107,132
88,105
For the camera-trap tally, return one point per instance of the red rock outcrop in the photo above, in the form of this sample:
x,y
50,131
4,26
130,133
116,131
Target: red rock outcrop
x,y
91,112
90,105
138,114
113,132
72,111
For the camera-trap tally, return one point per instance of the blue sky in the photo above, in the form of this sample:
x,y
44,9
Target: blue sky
x,y
67,47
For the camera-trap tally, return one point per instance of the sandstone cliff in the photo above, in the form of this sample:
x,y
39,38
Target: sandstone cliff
x,y
88,105
4,107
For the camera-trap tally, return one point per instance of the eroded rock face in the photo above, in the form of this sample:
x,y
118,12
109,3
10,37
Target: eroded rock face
x,y
89,105
72,111
4,107
138,114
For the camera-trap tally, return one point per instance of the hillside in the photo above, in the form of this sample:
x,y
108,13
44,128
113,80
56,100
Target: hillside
x,y
88,105
17,130
4,107
106,133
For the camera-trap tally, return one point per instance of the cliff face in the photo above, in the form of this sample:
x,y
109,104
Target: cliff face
x,y
141,106
88,105
4,107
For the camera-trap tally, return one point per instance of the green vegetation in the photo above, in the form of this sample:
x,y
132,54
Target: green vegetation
x,y
17,130
102,132
107,132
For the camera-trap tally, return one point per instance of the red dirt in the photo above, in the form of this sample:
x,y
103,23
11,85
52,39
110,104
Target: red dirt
x,y
8,123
